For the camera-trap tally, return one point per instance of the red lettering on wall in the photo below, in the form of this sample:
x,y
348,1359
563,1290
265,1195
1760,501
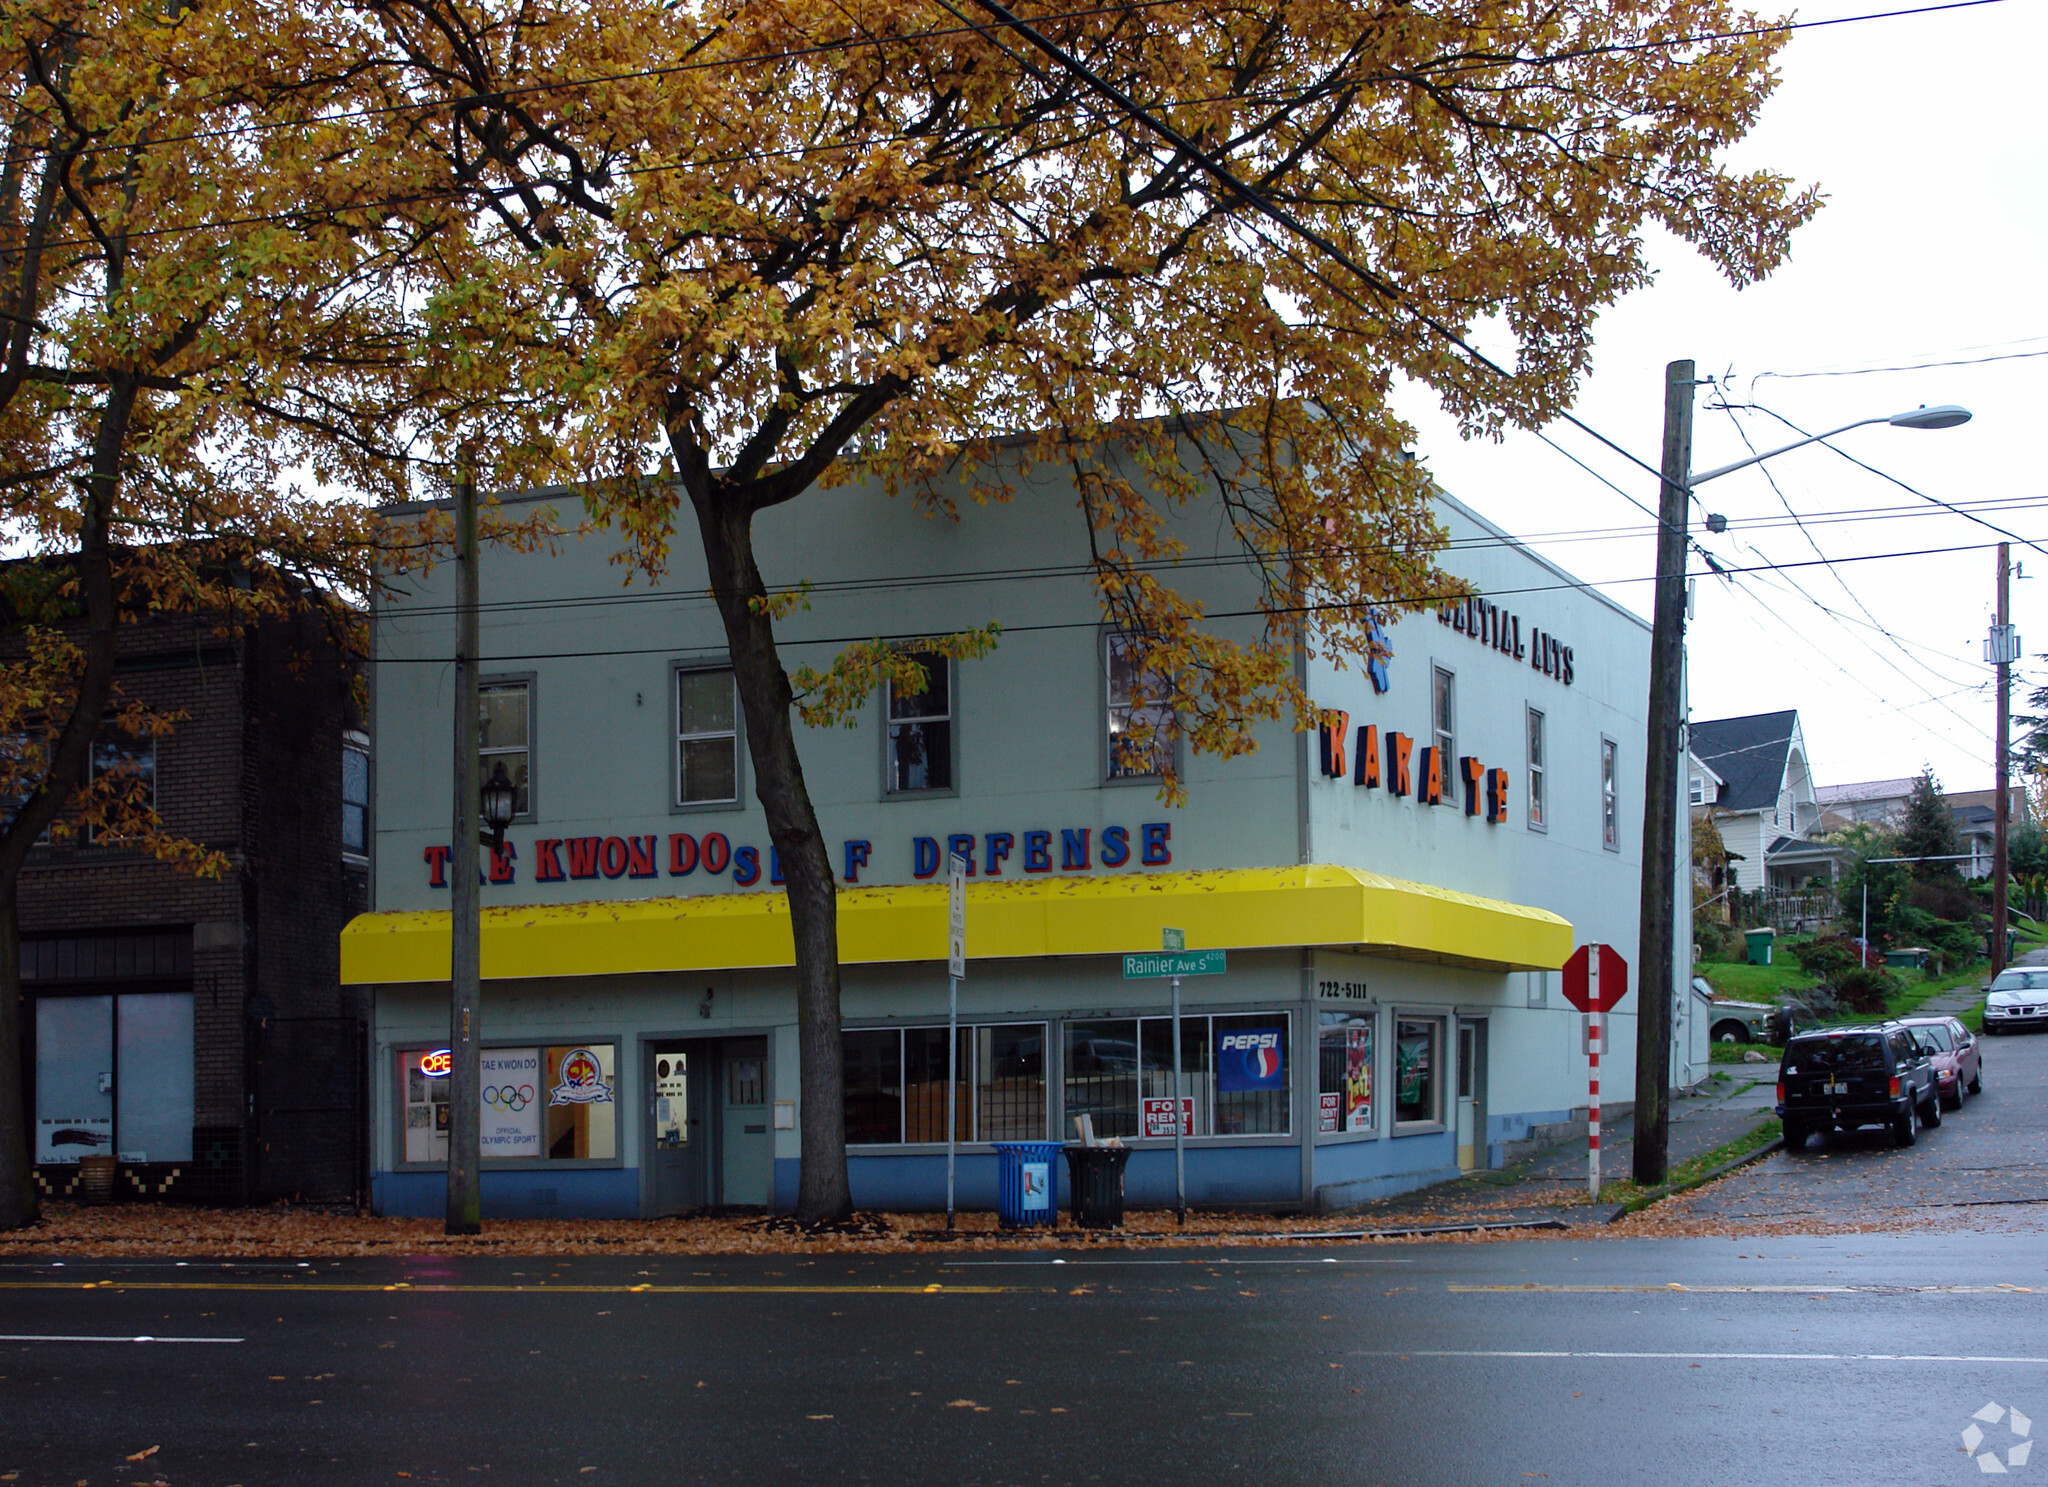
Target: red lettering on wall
x,y
615,857
642,848
1474,772
1399,746
1367,772
436,859
547,867
682,854
1432,792
1330,742
583,852
502,859
717,851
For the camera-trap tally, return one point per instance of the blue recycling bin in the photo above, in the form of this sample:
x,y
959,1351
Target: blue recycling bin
x,y
1026,1175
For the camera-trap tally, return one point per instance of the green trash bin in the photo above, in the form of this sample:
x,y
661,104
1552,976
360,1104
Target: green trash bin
x,y
1759,943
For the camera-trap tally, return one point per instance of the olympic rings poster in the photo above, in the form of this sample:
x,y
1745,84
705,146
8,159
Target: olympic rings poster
x,y
510,1095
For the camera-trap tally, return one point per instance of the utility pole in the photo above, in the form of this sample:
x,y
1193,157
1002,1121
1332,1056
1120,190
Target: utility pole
x,y
2005,651
1657,942
465,978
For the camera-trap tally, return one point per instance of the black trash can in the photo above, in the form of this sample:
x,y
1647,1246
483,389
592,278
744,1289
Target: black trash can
x,y
1095,1176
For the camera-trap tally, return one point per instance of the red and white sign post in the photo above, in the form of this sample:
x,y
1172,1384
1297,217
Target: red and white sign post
x,y
1595,979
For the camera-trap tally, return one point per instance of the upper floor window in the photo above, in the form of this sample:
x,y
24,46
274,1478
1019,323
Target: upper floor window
x,y
1610,801
920,748
1699,790
1538,800
707,738
129,766
355,795
1443,715
1140,719
505,736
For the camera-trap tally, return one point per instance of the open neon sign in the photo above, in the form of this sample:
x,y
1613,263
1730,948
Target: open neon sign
x,y
436,1065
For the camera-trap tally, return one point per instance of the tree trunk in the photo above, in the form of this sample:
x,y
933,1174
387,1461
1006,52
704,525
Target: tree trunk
x,y
823,1195
18,1203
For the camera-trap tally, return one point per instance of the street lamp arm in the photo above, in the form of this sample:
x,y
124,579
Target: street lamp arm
x,y
1696,481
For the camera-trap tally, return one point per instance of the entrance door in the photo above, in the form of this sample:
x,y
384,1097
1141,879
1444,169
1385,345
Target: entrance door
x,y
1471,1093
746,1150
681,1138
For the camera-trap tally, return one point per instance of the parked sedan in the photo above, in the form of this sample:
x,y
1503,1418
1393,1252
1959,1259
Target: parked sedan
x,y
2017,999
1958,1062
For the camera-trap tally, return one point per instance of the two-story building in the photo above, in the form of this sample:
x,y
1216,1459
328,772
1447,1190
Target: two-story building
x,y
1394,896
195,1027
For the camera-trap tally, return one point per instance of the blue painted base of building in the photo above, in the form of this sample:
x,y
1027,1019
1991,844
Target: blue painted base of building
x,y
1354,1172
1217,1177
582,1193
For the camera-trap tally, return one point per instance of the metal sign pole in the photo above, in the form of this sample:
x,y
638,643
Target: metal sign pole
x,y
952,1084
1180,1163
1598,1031
1595,1029
956,967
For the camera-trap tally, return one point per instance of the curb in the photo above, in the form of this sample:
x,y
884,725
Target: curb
x,y
1711,1174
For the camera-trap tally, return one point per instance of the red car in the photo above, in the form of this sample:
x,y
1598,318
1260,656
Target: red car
x,y
1958,1062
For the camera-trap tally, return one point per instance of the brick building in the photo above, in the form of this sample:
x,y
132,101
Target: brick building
x,y
196,1027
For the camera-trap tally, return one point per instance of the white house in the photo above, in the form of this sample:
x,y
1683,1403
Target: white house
x,y
1393,897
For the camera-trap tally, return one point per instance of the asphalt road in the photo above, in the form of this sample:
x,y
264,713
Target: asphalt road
x,y
1993,1153
1854,1359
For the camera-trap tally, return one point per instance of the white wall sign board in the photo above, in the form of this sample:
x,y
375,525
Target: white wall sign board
x,y
509,1096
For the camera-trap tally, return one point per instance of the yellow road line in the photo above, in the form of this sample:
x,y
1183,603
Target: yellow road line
x,y
436,1288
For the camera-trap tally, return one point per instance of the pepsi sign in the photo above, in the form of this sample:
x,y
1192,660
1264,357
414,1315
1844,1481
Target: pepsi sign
x,y
1249,1059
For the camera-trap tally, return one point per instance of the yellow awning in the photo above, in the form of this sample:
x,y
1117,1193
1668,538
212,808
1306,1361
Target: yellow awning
x,y
1231,909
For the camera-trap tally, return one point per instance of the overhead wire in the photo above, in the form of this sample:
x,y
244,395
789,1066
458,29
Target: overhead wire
x,y
1332,606
927,579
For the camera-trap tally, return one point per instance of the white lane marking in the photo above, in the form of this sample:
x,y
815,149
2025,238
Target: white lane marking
x,y
1674,1288
25,1336
1711,1357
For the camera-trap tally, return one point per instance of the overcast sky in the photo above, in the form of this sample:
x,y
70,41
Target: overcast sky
x,y
1925,134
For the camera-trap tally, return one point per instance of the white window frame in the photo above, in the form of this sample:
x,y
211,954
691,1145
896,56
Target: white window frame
x,y
355,742
1538,744
1112,709
1610,794
677,738
944,672
1443,718
485,758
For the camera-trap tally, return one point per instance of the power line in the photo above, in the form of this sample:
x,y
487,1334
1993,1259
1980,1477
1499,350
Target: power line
x,y
1476,63
1911,366
1345,606
1902,485
1084,570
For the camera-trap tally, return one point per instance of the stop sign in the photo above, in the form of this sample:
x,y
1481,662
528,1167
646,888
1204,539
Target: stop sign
x,y
1595,978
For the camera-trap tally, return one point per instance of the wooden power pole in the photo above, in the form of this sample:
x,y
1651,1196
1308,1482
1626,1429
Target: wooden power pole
x,y
465,1021
2004,651
1657,943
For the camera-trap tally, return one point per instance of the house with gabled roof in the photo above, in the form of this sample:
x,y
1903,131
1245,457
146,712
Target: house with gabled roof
x,y
1751,777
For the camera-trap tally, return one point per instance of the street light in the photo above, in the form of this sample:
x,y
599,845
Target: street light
x,y
1657,945
500,799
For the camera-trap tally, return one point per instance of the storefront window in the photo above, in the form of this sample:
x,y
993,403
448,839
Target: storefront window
x,y
114,1077
1234,1075
534,1104
1418,1070
896,1084
1344,1074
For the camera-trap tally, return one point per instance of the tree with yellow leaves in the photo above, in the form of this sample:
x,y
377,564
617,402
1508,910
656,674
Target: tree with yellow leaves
x,y
758,245
190,322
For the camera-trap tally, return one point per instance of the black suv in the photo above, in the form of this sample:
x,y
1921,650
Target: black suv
x,y
1839,1078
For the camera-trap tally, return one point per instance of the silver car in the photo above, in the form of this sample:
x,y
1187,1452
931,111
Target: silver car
x,y
2017,999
